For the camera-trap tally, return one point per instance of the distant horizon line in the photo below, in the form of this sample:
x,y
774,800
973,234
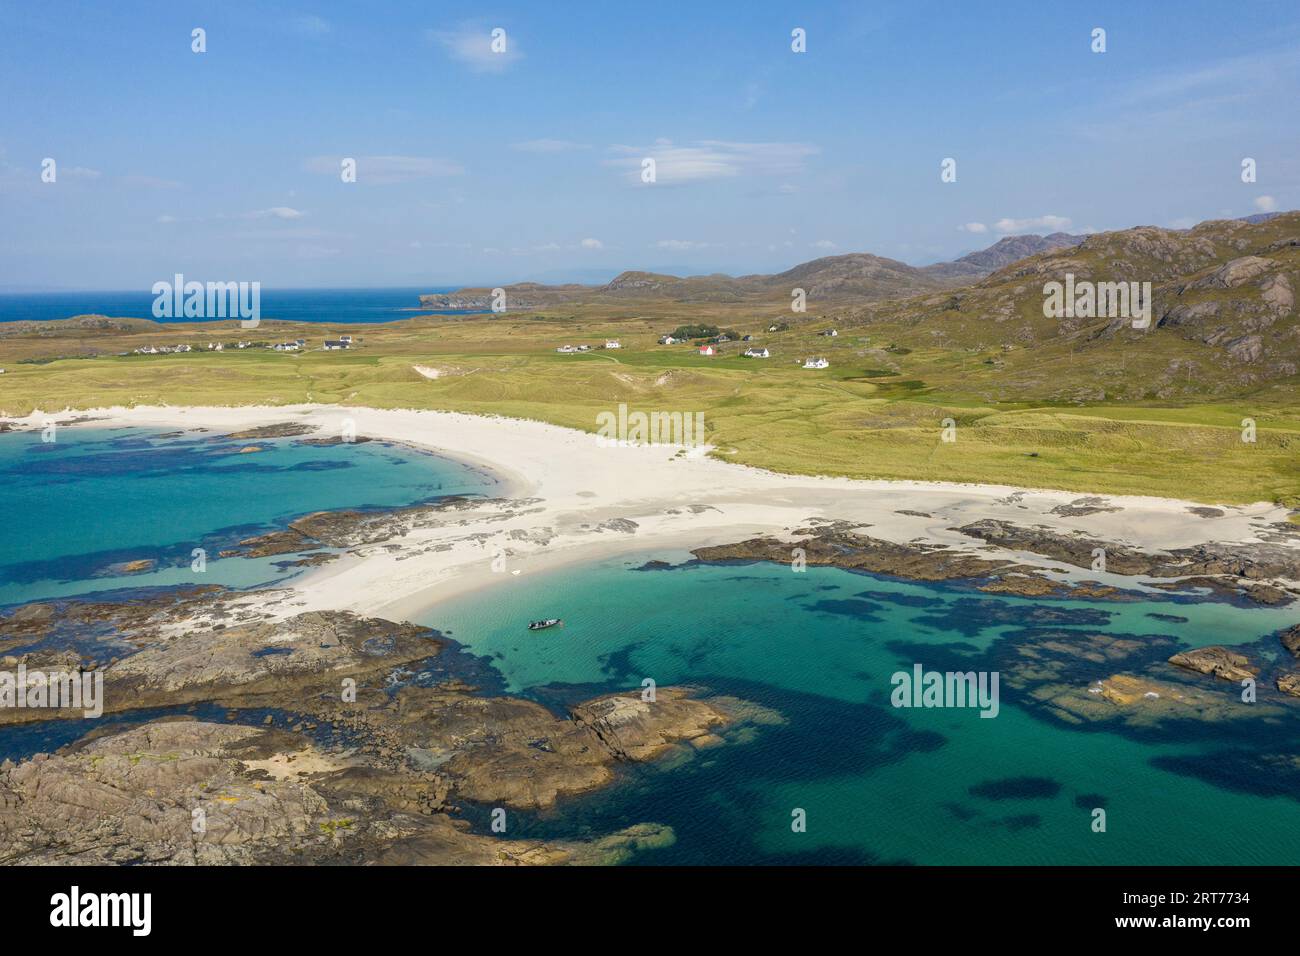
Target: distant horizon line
x,y
676,271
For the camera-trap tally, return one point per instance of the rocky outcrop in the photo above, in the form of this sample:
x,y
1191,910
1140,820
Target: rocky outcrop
x,y
1240,566
351,528
278,430
1219,661
265,655
633,728
1290,639
351,759
195,792
838,546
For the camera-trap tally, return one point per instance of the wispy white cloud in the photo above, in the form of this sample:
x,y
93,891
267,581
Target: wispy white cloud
x,y
976,227
1253,72
274,212
1265,203
712,159
824,244
1050,223
386,169
474,45
592,244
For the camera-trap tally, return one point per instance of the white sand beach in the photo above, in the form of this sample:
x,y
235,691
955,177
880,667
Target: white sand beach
x,y
572,498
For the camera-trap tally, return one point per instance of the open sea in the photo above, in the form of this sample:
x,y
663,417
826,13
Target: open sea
x,y
877,784
348,306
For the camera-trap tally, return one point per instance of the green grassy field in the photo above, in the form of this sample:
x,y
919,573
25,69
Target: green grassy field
x,y
875,413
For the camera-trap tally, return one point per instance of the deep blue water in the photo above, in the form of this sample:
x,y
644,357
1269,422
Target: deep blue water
x,y
294,305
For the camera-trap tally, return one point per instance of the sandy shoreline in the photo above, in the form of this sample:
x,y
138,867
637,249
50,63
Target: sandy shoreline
x,y
570,499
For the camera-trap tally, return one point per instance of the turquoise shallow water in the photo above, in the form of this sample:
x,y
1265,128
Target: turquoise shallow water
x,y
96,497
878,783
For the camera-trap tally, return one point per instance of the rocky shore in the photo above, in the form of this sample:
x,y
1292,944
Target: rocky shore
x,y
1261,573
331,750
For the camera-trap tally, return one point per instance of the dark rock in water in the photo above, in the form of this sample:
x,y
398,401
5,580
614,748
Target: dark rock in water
x,y
1017,788
1219,661
656,565
840,547
969,616
865,611
1090,801
313,560
1267,774
1023,821
960,811
279,430
333,440
1202,512
1265,594
1241,567
265,545
902,600
1167,618
1290,639
139,566
838,544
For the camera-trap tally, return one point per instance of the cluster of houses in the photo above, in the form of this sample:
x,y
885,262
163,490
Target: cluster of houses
x,y
753,352
161,349
569,349
297,345
331,345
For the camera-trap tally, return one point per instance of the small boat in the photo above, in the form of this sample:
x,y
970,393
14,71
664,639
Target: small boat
x,y
542,625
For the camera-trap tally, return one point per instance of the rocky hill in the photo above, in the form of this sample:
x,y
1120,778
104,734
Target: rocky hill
x,y
854,277
1222,293
1003,252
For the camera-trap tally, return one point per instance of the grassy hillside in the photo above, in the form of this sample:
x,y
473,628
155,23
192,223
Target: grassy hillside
x,y
875,413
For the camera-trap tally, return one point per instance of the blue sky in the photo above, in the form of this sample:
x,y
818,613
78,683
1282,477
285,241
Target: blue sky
x,y
475,167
